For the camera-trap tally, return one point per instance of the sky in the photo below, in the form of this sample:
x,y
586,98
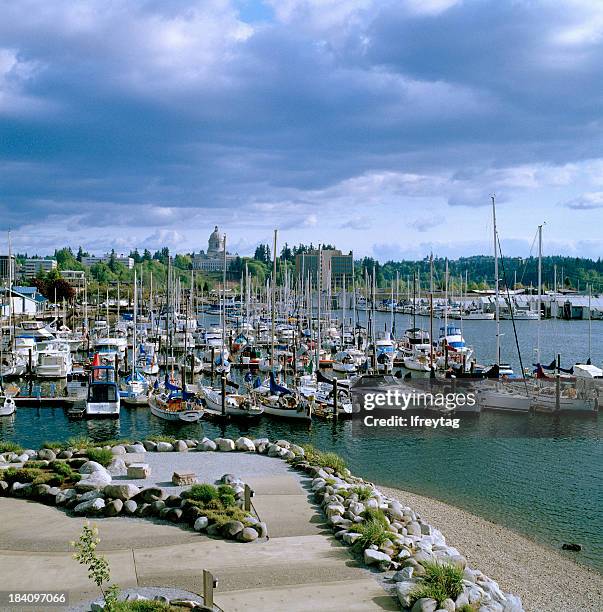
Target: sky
x,y
380,126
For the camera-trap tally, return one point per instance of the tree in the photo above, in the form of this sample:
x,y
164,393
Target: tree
x,y
287,253
147,255
262,253
135,255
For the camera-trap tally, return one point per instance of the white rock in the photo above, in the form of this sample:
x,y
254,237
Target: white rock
x,y
95,480
349,537
181,446
164,447
91,466
413,529
244,444
513,604
201,523
225,444
207,445
119,449
121,491
64,496
425,605
92,505
376,557
404,590
117,467
135,448
403,575
138,470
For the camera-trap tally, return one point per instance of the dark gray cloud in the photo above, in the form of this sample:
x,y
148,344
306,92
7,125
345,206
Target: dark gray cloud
x,y
157,116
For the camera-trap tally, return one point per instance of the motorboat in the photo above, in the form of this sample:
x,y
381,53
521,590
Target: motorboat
x,y
54,360
103,393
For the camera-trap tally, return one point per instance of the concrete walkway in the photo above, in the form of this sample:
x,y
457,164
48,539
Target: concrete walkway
x,y
301,567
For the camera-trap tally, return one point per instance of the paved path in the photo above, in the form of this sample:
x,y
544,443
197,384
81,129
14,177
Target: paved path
x,y
301,567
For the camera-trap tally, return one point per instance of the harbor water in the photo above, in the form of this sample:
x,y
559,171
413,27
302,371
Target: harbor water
x,y
537,474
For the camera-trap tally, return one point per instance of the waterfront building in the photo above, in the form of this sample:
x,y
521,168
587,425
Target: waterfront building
x,y
24,301
213,259
7,270
335,265
76,278
122,259
32,266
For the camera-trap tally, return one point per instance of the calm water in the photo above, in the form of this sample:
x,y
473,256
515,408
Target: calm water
x,y
540,475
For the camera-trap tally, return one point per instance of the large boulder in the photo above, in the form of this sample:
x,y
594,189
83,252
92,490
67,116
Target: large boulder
x,y
425,604
47,454
207,445
95,480
244,444
121,491
64,496
231,529
181,446
225,444
130,507
248,534
117,467
164,447
135,448
404,590
149,445
91,466
118,449
151,494
201,523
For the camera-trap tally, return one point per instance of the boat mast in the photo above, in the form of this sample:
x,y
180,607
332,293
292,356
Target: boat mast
x,y
223,306
431,313
539,290
589,323
496,305
134,334
273,304
319,291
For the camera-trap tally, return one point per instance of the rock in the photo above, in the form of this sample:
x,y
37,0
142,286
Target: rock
x,y
349,537
32,454
425,529
138,470
283,443
181,446
135,448
151,494
404,590
262,529
190,514
378,558
94,494
248,534
173,501
114,507
164,447
228,479
201,523
97,606
3,487
118,450
425,604
232,528
96,480
144,510
297,450
47,454
23,458
571,546
173,514
245,444
403,575
461,600
413,529
224,444
121,491
64,496
513,604
91,466
157,506
448,605
423,556
403,554
275,451
149,445
117,467
207,445
130,506
183,478
213,530
92,506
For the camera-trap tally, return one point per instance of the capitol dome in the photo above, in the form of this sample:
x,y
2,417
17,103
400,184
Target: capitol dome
x,y
215,243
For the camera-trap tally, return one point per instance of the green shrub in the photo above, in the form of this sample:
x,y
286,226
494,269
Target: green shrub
x,y
79,442
66,471
36,464
330,460
221,517
161,438
370,514
142,606
10,447
371,532
11,475
101,455
226,495
467,608
441,581
53,445
201,492
53,480
364,492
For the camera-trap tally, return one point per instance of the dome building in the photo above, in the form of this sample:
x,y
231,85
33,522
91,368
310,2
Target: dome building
x,y
213,259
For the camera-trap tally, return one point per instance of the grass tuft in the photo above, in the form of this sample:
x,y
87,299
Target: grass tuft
x,y
10,447
100,455
330,460
364,492
441,581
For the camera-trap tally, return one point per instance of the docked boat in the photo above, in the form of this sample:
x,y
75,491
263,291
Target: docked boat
x,y
54,360
171,405
135,391
505,397
235,405
103,393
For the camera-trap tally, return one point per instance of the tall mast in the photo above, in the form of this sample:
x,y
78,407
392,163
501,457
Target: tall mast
x,y
223,307
539,289
496,305
319,291
273,301
134,335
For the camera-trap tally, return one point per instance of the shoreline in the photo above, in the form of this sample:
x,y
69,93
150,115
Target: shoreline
x,y
545,580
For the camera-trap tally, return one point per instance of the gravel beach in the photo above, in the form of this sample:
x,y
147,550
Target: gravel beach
x,y
545,579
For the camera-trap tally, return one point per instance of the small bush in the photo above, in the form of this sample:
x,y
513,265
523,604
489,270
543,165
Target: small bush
x,y
66,471
364,492
22,475
101,455
36,464
53,480
79,442
201,492
330,460
53,445
441,581
371,532
370,514
10,447
142,606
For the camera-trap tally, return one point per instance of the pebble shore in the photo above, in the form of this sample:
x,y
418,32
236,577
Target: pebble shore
x,y
546,580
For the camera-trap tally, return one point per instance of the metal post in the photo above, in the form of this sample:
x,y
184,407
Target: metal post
x,y
247,499
223,385
30,366
208,589
213,362
558,385
192,368
335,400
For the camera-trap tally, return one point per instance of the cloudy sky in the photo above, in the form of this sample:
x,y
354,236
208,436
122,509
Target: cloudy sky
x,y
381,126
